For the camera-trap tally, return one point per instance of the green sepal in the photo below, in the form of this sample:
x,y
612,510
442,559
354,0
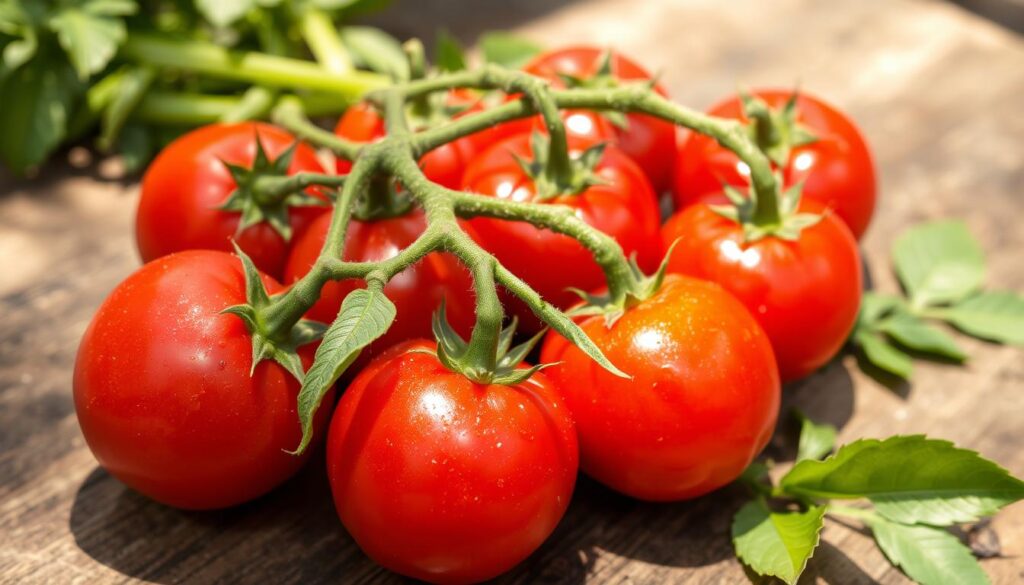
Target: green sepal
x,y
282,351
776,132
741,209
246,199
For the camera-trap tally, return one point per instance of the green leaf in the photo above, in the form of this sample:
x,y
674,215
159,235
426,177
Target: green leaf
x,y
91,32
883,354
448,53
874,306
507,50
223,13
776,544
365,315
35,103
816,440
376,50
930,556
131,90
137,147
939,262
910,479
997,316
914,333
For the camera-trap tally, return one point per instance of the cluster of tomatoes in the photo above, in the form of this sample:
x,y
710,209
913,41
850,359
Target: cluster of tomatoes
x,y
434,475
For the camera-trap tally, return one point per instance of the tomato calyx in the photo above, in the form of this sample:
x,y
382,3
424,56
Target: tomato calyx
x,y
743,210
604,78
775,131
263,191
548,182
643,287
452,349
267,343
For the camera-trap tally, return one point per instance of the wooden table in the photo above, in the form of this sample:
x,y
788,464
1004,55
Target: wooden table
x,y
938,92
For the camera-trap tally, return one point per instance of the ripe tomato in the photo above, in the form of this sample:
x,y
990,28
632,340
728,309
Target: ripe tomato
x,y
805,293
443,165
623,206
416,292
443,479
702,402
163,391
187,182
836,169
648,140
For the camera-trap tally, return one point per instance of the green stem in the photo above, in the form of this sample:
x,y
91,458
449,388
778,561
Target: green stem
x,y
289,114
321,35
275,188
254,104
251,67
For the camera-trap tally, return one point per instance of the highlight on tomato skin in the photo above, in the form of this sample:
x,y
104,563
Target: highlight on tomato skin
x,y
443,479
163,392
702,401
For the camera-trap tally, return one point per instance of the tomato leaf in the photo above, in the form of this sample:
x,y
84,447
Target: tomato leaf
x,y
448,53
816,440
506,49
914,333
90,31
776,544
930,556
882,354
910,479
376,50
997,316
365,315
131,90
222,13
874,306
939,262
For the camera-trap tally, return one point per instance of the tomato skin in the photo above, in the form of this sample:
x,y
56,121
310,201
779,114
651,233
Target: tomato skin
x,y
805,294
647,140
837,169
416,292
443,479
163,392
623,207
187,181
702,402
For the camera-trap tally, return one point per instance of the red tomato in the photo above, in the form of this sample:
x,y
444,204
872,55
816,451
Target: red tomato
x,y
701,404
623,207
443,165
188,181
648,140
805,293
836,169
163,391
443,479
416,292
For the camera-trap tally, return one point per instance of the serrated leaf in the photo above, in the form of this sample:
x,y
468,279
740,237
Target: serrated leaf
x,y
930,556
91,32
883,354
997,316
939,262
223,13
376,50
910,479
776,544
816,440
506,49
365,315
448,53
914,333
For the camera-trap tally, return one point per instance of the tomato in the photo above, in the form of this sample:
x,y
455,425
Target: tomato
x,y
416,292
805,293
442,479
443,165
623,206
188,181
836,169
648,140
163,392
702,401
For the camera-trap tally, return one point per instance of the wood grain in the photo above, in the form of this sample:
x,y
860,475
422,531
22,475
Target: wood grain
x,y
936,90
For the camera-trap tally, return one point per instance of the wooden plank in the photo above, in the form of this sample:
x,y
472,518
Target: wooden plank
x,y
937,93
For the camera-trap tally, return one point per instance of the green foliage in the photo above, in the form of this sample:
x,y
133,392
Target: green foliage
x,y
930,556
506,49
776,543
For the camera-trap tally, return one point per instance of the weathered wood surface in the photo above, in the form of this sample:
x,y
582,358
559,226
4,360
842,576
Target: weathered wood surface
x,y
937,92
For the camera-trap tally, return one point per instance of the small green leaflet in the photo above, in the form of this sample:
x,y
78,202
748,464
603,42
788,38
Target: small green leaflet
x,y
997,316
90,31
930,556
131,90
365,315
376,50
816,440
883,354
776,544
910,479
914,333
506,49
938,263
448,53
222,13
